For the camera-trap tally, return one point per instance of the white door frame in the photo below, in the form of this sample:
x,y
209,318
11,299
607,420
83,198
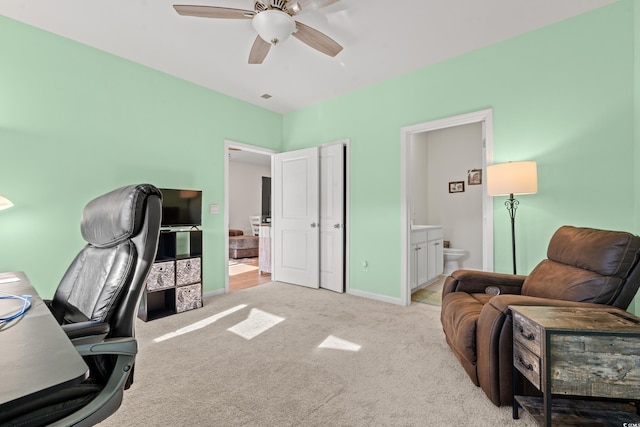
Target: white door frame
x,y
269,152
482,116
245,147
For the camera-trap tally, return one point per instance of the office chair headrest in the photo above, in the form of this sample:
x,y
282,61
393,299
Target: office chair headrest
x,y
116,216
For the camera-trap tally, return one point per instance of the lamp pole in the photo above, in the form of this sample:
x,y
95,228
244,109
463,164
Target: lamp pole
x,y
512,178
512,205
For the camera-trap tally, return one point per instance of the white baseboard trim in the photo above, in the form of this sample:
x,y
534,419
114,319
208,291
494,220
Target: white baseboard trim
x,y
354,292
213,293
377,297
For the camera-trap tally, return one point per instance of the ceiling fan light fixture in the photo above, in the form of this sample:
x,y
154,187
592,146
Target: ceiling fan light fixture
x,y
274,26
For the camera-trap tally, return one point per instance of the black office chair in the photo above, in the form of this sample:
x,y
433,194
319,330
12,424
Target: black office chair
x,y
96,304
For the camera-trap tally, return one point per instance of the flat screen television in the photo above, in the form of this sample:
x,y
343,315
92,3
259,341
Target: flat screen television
x,y
181,207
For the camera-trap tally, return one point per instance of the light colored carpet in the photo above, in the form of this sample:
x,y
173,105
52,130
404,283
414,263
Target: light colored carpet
x,y
282,355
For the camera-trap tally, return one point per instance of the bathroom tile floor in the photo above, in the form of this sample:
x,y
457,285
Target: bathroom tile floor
x,y
431,294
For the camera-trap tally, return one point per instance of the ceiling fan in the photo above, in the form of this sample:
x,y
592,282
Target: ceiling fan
x,y
273,20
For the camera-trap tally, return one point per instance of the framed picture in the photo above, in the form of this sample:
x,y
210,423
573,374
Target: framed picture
x,y
474,177
456,187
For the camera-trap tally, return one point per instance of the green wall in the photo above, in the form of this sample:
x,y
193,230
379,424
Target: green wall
x,y
562,95
76,122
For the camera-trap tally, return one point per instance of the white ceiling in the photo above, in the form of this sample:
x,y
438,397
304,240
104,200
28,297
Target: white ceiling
x,y
381,39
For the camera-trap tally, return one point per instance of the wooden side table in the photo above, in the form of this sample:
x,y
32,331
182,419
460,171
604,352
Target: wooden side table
x,y
590,352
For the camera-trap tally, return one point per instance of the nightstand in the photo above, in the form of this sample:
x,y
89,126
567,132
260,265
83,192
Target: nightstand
x,y
577,352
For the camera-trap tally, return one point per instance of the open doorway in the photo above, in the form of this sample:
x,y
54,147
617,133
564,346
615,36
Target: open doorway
x,y
331,277
247,213
421,135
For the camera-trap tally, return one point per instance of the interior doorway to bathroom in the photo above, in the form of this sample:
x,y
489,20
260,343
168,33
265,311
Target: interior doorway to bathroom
x,y
443,184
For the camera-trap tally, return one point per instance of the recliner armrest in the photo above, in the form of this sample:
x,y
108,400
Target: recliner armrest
x,y
474,282
86,332
502,302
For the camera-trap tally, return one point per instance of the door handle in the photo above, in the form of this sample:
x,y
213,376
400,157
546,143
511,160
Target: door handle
x,y
336,226
313,225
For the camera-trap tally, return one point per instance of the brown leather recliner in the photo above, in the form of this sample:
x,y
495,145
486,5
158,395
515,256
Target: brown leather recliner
x,y
585,266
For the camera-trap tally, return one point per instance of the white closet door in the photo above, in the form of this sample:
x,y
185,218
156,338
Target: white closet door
x,y
332,217
295,218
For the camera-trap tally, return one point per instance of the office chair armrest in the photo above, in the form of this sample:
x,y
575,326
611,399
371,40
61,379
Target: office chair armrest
x,y
122,346
86,332
109,399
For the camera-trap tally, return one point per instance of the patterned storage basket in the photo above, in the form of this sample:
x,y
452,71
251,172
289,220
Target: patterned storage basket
x,y
188,271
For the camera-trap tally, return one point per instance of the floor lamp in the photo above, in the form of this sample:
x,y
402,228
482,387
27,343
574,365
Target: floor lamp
x,y
511,179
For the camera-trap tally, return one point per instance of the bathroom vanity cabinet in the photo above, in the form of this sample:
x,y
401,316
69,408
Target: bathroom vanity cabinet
x,y
426,261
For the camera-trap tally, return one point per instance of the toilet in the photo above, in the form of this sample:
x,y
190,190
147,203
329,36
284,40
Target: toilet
x,y
451,259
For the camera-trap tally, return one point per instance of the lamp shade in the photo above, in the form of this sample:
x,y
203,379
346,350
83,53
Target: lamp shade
x,y
5,203
274,26
512,178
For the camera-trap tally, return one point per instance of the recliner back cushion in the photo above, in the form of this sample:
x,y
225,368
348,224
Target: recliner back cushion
x,y
584,264
551,279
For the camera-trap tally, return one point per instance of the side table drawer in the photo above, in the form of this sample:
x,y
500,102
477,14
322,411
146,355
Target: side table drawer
x,y
161,276
527,333
527,363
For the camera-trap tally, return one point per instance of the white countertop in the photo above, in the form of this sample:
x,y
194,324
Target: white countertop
x,y
424,227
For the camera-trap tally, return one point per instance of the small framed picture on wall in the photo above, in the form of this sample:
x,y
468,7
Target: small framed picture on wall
x,y
474,177
456,187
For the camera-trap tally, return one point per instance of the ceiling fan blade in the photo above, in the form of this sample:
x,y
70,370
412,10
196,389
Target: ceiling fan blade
x,y
213,12
317,40
306,5
259,51
321,3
